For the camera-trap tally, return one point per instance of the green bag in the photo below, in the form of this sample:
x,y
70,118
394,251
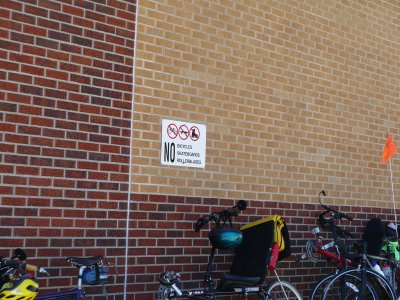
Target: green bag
x,y
392,247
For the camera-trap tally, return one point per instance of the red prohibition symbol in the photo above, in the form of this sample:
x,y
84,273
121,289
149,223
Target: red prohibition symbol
x,y
183,132
172,130
194,133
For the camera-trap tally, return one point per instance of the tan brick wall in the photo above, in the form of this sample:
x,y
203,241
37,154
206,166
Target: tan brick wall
x,y
296,96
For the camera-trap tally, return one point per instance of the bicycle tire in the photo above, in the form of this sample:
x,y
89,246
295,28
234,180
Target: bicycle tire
x,y
280,290
341,288
319,287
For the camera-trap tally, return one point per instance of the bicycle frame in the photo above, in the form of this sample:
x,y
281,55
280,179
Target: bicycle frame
x,y
317,247
78,292
322,250
209,290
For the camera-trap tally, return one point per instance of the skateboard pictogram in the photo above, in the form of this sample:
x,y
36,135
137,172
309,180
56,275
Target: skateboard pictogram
x,y
183,132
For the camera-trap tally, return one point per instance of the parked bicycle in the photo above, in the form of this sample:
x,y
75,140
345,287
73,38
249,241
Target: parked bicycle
x,y
335,250
259,245
91,271
17,279
383,249
359,283
354,277
391,264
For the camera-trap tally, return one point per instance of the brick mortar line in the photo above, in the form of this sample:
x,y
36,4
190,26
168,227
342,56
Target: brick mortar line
x,y
257,24
61,12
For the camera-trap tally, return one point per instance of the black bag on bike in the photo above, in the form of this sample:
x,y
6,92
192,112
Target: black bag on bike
x,y
253,255
374,235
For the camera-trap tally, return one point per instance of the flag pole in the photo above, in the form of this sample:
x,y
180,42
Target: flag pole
x,y
389,151
394,202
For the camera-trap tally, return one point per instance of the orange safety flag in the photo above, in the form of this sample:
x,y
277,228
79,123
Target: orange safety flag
x,y
389,150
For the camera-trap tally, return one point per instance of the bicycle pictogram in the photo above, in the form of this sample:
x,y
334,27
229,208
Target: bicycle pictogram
x,y
172,131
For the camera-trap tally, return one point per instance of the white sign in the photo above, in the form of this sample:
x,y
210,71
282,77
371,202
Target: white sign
x,y
183,144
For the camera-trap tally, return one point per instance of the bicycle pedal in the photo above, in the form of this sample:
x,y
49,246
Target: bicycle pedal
x,y
169,278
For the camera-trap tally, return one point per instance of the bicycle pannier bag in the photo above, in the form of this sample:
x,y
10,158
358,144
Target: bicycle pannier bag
x,y
253,254
280,234
374,234
96,274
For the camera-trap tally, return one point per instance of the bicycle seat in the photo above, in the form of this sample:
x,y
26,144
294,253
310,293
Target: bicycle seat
x,y
229,282
84,261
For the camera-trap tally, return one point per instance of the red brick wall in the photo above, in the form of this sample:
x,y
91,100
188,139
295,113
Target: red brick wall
x,y
65,119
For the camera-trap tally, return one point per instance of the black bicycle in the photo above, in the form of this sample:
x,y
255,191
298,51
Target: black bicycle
x,y
353,278
259,245
359,283
366,281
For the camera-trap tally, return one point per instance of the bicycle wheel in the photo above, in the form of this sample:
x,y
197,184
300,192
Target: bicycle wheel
x,y
319,288
347,285
283,290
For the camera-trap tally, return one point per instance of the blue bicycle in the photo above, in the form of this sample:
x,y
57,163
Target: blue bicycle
x,y
17,282
91,271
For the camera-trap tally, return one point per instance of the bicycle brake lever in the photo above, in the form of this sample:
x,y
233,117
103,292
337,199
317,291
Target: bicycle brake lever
x,y
44,271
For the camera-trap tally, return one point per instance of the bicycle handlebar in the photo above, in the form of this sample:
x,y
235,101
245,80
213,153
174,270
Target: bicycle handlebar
x,y
336,214
223,215
201,222
16,264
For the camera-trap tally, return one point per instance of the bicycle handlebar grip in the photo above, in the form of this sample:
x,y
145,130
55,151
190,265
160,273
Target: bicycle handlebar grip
x,y
234,211
10,263
32,268
200,223
342,215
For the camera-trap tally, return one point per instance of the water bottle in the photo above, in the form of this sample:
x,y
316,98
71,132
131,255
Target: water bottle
x,y
387,271
377,268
